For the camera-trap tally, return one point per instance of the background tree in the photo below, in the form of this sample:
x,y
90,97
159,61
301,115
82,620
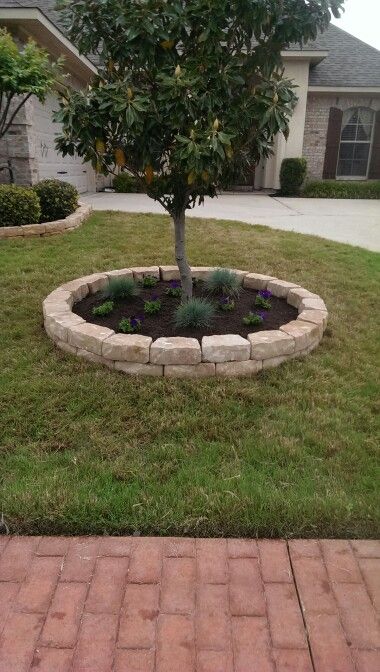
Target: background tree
x,y
186,89
23,73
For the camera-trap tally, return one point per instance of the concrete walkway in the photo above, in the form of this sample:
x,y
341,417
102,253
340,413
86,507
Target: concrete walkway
x,y
356,222
179,605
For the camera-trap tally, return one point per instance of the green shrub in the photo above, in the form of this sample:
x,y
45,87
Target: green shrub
x,y
149,281
196,313
292,176
126,184
223,281
121,288
104,309
129,325
57,199
253,319
342,189
18,205
152,306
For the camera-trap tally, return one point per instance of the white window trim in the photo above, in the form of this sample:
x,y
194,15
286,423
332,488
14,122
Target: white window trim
x,y
357,178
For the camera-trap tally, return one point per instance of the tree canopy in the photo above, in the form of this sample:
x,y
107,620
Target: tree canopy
x,y
186,90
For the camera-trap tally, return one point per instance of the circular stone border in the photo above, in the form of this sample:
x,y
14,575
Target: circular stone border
x,y
49,228
178,357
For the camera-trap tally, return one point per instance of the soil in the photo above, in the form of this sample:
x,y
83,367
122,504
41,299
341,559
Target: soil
x,y
162,323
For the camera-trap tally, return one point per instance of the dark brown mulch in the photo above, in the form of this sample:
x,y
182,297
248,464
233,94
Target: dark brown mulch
x,y
162,323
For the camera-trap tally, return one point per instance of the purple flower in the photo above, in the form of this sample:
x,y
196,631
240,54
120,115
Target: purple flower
x,y
224,300
140,318
134,322
174,284
155,297
265,294
261,314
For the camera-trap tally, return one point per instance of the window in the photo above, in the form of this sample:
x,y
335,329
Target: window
x,y
355,143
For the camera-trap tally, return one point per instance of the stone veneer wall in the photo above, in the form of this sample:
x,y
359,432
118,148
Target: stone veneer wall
x,y
316,123
178,357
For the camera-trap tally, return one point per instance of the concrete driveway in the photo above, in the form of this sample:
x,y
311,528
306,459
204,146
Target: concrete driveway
x,y
356,222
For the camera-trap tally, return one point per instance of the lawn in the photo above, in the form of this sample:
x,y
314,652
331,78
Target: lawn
x,y
292,452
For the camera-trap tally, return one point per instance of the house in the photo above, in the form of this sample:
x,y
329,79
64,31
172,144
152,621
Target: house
x,y
335,125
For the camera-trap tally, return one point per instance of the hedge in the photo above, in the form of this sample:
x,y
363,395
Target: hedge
x,y
58,199
18,205
342,189
292,176
126,184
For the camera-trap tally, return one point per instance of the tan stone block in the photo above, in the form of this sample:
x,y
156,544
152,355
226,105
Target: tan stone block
x,y
273,343
175,350
201,272
203,370
272,362
121,273
319,317
57,226
33,229
89,337
304,333
10,231
78,289
296,295
57,326
312,304
225,348
66,347
241,274
139,272
257,280
96,282
134,369
127,348
59,301
281,288
95,359
169,273
233,369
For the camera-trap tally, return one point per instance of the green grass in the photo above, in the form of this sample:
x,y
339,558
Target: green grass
x,y
292,452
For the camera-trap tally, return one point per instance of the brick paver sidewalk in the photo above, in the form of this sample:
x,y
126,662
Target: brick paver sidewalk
x,y
178,605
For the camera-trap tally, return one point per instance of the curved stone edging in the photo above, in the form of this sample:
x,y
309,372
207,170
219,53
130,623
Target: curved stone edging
x,y
50,228
178,357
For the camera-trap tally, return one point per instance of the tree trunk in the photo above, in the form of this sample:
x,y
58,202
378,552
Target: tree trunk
x,y
180,256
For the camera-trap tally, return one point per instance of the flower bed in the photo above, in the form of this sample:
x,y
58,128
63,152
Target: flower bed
x,y
49,228
195,354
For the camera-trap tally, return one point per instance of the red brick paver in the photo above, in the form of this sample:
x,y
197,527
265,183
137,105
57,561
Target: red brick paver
x,y
184,605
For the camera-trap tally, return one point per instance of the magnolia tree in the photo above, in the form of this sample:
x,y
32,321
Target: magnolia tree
x,y
187,90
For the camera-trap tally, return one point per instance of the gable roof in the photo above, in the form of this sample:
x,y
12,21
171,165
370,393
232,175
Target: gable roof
x,y
349,63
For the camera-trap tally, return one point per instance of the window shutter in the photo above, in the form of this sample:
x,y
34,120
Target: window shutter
x,y
374,167
332,143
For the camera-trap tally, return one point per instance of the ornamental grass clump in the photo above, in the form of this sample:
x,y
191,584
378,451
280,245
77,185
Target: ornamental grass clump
x,y
129,325
121,288
152,306
195,313
223,281
254,319
263,299
104,309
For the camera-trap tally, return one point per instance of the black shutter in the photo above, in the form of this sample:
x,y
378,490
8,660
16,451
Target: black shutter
x,y
332,143
374,166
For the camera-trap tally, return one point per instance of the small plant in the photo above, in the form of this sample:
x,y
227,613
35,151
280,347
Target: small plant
x,y
104,309
223,281
196,313
254,319
175,289
152,306
121,288
18,205
292,176
226,303
263,299
149,281
129,325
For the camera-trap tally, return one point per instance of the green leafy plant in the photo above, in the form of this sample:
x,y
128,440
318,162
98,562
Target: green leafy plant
x,y
292,176
149,281
121,288
58,199
226,303
152,306
263,299
253,319
129,325
174,290
342,189
124,183
23,73
104,309
18,205
196,313
185,91
223,281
